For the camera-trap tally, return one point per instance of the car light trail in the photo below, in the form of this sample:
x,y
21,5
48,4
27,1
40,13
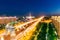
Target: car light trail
x,y
28,32
20,26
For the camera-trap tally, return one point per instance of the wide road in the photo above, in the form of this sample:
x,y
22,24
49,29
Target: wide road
x,y
19,28
25,35
26,31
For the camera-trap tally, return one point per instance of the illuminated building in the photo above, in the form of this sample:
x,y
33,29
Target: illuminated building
x,y
56,21
29,17
5,20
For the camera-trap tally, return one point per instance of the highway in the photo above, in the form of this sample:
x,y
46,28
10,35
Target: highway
x,y
23,30
25,35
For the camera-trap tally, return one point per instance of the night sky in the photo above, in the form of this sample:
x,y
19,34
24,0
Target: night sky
x,y
23,7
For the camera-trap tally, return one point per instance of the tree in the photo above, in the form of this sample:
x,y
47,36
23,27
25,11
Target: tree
x,y
45,31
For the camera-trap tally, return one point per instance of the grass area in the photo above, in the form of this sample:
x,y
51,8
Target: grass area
x,y
45,31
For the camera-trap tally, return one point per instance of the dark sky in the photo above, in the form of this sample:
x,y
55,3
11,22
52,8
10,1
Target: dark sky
x,y
23,7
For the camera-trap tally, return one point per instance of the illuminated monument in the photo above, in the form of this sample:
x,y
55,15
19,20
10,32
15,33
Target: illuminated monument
x,y
30,17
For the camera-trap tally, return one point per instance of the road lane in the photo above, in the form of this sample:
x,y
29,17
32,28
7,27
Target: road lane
x,y
30,23
25,35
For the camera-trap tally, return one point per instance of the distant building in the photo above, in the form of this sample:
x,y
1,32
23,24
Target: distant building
x,y
5,20
29,17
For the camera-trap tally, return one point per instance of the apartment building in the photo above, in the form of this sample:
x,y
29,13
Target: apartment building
x,y
5,20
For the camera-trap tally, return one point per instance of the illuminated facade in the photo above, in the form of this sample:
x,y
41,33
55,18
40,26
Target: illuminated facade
x,y
5,20
30,17
56,21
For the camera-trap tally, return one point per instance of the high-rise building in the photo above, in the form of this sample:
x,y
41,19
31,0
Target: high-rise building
x,y
5,20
